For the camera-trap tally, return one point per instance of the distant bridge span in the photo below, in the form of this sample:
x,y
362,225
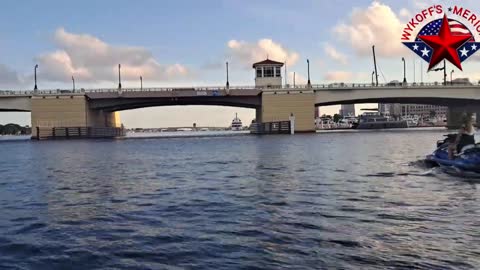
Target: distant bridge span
x,y
467,95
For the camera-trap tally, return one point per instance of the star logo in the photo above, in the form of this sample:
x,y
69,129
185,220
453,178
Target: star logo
x,y
442,39
445,45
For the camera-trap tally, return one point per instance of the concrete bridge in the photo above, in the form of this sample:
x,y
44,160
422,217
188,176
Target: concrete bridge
x,y
99,107
89,111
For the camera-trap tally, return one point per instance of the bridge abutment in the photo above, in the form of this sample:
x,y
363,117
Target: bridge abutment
x,y
49,112
280,105
455,116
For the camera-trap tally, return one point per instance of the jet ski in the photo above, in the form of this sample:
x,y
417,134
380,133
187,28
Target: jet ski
x,y
468,160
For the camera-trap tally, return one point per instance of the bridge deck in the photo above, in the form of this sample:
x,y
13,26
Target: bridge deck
x,y
221,90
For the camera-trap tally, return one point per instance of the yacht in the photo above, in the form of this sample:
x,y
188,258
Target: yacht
x,y
184,129
412,120
348,121
236,124
324,123
371,120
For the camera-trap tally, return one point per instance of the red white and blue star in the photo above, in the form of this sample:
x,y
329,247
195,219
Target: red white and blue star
x,y
444,39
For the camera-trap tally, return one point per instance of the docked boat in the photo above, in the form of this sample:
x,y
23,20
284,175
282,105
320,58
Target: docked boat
x,y
467,161
324,123
376,121
348,121
236,124
412,120
184,129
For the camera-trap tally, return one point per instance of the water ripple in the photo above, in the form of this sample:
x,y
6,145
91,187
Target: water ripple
x,y
278,202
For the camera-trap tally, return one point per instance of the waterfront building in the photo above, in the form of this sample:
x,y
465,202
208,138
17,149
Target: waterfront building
x,y
397,109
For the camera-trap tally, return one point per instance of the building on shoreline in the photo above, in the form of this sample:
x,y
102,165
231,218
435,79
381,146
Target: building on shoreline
x,y
347,110
397,109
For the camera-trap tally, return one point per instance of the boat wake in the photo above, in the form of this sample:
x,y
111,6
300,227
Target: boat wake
x,y
424,168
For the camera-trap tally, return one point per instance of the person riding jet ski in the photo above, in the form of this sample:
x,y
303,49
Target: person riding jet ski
x,y
465,137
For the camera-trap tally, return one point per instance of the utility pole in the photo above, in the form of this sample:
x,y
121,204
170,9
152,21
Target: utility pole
x,y
375,64
414,75
228,83
308,70
119,79
421,72
444,68
444,72
35,75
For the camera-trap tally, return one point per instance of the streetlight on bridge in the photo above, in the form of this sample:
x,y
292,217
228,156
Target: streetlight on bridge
x,y
73,82
451,77
35,77
141,83
373,73
308,72
119,79
444,68
228,83
404,71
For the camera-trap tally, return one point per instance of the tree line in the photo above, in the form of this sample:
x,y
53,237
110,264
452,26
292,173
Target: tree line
x,y
14,129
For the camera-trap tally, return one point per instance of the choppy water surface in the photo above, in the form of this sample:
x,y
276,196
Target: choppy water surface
x,y
318,201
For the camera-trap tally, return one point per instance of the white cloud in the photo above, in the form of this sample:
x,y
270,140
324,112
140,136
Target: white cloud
x,y
299,78
339,76
376,25
332,52
90,59
345,76
246,53
405,13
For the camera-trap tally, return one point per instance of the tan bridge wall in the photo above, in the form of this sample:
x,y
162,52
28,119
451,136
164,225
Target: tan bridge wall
x,y
279,106
68,111
15,104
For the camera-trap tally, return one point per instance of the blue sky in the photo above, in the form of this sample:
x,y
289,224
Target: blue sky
x,y
187,43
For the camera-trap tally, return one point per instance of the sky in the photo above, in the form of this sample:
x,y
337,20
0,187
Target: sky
x,y
186,43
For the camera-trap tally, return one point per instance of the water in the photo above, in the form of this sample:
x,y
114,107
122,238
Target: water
x,y
318,201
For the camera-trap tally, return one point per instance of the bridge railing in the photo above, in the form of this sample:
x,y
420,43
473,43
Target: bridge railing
x,y
317,87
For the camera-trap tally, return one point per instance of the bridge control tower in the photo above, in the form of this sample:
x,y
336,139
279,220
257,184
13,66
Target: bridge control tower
x,y
268,74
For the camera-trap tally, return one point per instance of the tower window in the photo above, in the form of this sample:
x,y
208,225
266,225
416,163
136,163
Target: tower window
x,y
268,72
259,72
278,72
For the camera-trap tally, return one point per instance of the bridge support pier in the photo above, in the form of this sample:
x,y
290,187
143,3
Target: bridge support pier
x,y
280,105
455,115
51,111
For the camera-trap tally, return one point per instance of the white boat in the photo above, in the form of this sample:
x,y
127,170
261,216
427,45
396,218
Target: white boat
x,y
236,124
412,120
370,120
325,123
184,129
348,121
